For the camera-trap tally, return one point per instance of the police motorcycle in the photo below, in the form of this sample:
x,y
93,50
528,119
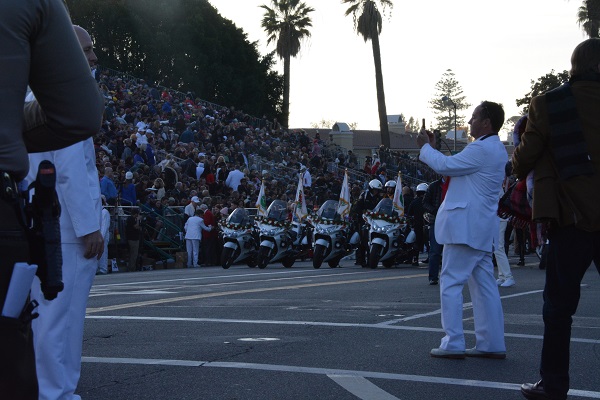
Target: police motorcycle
x,y
239,239
330,236
386,234
280,239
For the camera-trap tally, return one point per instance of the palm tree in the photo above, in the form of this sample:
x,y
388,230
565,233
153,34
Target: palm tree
x,y
588,17
368,24
286,23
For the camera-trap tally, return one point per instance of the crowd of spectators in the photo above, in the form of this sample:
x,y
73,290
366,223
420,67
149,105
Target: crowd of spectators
x,y
158,149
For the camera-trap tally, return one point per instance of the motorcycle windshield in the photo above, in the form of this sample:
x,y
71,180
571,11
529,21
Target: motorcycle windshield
x,y
385,207
277,210
329,210
239,216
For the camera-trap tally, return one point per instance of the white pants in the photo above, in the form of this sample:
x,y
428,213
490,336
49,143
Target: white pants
x,y
501,259
462,264
193,249
103,261
58,331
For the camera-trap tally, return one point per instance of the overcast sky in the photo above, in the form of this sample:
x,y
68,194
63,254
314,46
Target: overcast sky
x,y
494,48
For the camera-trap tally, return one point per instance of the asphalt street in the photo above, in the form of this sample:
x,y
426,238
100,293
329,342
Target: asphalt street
x,y
304,333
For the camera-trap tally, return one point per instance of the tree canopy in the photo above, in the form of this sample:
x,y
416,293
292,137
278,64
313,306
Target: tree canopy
x,y
185,45
286,23
368,22
449,87
588,17
542,85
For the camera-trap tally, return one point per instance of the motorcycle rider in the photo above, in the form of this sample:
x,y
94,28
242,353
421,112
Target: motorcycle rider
x,y
416,210
390,188
367,200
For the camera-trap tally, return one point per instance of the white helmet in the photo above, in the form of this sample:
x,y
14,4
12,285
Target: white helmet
x,y
422,187
391,184
375,184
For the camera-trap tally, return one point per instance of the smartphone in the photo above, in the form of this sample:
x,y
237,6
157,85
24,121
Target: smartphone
x,y
423,124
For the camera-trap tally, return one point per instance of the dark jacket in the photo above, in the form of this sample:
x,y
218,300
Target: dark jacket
x,y
571,201
433,198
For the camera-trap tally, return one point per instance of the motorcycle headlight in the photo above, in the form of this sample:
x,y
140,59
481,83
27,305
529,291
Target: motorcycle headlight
x,y
383,228
271,231
325,230
234,234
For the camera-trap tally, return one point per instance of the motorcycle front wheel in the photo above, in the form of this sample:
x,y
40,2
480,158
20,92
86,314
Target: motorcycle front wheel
x,y
263,257
288,261
334,263
318,256
251,262
375,255
227,257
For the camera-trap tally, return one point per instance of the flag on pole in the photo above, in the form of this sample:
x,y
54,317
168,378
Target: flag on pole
x,y
344,202
398,198
261,202
300,203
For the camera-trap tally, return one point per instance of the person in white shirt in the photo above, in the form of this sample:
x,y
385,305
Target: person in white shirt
x,y
190,209
104,230
193,234
306,178
58,331
234,178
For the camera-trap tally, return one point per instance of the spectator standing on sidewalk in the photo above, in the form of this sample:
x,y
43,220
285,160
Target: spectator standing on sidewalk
x,y
431,204
193,235
561,145
133,231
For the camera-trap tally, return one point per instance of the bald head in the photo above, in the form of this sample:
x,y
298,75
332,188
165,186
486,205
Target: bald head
x,y
85,41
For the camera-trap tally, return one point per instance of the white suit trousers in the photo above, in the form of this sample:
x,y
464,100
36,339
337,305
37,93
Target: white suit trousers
x,y
58,331
501,258
193,249
462,264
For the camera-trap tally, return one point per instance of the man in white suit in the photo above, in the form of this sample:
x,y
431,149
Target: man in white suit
x,y
467,226
58,331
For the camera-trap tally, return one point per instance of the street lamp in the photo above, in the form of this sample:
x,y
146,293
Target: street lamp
x,y
444,99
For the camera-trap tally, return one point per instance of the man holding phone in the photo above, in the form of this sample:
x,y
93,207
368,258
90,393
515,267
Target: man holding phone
x,y
467,225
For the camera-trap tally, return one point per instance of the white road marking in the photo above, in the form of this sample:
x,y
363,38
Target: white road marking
x,y
325,371
466,306
361,387
202,278
315,323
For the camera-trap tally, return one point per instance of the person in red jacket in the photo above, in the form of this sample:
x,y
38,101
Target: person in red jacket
x,y
209,239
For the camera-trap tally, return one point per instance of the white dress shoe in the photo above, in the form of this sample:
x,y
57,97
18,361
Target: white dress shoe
x,y
508,283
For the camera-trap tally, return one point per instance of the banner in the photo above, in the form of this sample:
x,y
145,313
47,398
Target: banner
x,y
261,202
398,199
300,203
344,201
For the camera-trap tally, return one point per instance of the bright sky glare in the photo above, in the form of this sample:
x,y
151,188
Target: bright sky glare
x,y
494,48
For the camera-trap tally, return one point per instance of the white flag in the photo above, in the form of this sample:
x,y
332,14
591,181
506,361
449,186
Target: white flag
x,y
300,204
398,199
344,202
261,202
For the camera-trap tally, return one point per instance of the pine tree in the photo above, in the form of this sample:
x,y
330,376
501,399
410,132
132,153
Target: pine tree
x,y
444,110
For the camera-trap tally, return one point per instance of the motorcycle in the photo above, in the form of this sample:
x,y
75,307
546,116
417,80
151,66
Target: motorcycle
x,y
239,239
278,236
386,234
331,236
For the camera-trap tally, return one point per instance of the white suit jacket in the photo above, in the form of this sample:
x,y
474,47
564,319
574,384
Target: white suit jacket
x,y
77,186
468,214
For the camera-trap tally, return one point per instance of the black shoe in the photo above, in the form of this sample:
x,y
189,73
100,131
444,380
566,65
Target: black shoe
x,y
433,281
535,391
415,264
521,263
425,261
